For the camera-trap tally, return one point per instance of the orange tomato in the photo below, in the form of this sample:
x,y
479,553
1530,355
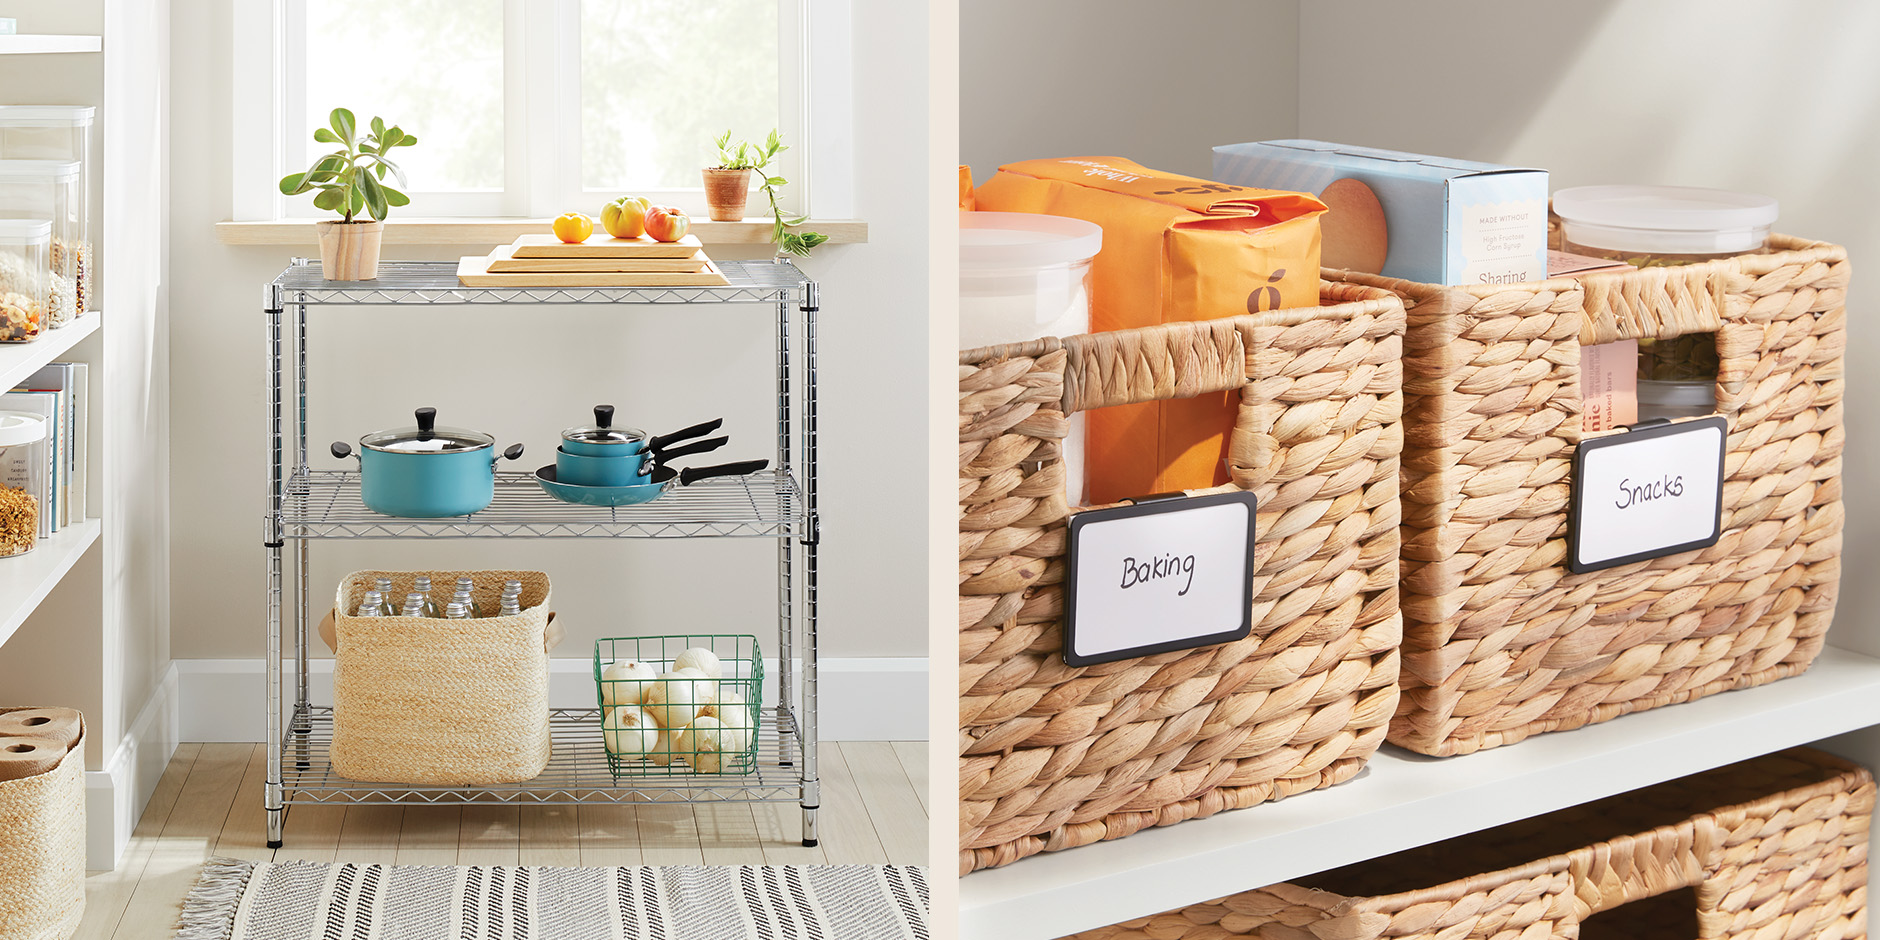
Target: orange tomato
x,y
573,227
666,223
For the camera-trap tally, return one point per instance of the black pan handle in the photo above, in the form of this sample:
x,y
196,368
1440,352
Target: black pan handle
x,y
664,441
514,451
691,475
696,447
603,416
427,423
342,450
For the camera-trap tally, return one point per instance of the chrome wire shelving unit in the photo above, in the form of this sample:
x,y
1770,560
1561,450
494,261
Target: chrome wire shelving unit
x,y
305,505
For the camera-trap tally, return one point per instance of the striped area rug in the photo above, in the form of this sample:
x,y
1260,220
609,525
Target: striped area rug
x,y
241,900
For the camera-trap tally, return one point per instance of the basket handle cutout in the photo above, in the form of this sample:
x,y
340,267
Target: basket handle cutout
x,y
1153,363
1634,868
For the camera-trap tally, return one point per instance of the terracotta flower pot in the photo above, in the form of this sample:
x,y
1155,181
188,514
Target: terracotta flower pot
x,y
349,251
725,192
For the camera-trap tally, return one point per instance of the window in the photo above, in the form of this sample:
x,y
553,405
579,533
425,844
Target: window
x,y
537,107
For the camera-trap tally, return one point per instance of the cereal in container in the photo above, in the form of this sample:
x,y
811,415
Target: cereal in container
x,y
49,189
20,475
25,278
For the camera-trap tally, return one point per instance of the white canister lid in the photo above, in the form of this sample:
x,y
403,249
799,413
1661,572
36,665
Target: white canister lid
x,y
18,427
25,232
1007,240
46,115
1664,219
13,171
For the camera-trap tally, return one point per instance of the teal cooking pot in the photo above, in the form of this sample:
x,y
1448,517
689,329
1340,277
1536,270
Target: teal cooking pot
x,y
426,471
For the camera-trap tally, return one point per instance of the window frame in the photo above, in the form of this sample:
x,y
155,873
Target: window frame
x,y
542,77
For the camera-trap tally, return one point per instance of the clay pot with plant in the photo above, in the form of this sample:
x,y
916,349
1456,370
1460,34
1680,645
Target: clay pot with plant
x,y
747,158
351,182
728,185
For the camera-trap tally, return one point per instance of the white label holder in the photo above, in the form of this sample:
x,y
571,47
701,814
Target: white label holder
x,y
1647,492
1165,573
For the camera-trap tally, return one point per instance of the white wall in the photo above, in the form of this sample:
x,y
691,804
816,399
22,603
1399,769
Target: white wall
x,y
524,373
1155,83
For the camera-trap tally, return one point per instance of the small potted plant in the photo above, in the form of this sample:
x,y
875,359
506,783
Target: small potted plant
x,y
349,181
728,184
744,159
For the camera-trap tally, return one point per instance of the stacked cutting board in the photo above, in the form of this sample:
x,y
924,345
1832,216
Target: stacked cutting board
x,y
601,261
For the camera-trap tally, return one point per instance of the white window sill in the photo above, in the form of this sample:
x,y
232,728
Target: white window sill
x,y
751,231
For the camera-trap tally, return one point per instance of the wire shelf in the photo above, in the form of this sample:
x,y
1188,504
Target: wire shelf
x,y
326,504
435,282
577,770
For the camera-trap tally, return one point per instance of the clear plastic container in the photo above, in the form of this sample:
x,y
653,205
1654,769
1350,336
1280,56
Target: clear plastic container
x,y
62,133
1664,226
19,509
49,189
1022,277
1675,399
25,278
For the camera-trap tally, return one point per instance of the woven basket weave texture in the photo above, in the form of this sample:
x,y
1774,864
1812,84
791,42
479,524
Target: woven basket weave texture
x,y
430,701
1775,848
1500,640
42,851
1054,756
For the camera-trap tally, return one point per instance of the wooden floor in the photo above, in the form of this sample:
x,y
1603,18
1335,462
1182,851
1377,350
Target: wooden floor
x,y
874,797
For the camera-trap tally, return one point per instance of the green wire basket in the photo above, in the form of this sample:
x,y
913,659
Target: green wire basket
x,y
661,741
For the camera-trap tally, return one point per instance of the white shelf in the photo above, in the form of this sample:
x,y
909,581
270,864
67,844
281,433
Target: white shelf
x,y
19,360
27,43
1403,800
25,580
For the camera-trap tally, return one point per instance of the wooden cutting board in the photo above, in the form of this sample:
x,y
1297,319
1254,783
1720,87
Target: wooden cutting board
x,y
503,261
604,246
474,271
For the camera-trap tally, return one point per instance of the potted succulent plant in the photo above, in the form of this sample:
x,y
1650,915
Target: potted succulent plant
x,y
351,180
745,159
728,184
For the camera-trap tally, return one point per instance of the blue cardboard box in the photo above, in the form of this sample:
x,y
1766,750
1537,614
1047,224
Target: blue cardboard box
x,y
1421,218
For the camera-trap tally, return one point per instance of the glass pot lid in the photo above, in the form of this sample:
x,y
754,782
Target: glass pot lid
x,y
602,431
427,438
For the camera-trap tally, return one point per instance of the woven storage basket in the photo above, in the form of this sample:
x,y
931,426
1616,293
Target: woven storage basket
x,y
42,851
428,701
1053,756
1775,848
1500,640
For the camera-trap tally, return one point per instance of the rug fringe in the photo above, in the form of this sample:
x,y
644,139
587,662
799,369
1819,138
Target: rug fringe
x,y
209,911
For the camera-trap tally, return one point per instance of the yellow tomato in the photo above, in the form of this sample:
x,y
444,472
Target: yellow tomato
x,y
573,227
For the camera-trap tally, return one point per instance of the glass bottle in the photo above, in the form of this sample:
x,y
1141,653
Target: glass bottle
x,y
422,587
372,605
512,599
414,605
386,607
456,610
467,588
462,597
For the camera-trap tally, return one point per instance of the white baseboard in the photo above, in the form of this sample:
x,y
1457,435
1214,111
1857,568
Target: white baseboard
x,y
861,699
115,796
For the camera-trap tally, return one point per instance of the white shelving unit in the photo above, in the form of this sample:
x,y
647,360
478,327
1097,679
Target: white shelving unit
x,y
1403,800
39,43
25,580
19,361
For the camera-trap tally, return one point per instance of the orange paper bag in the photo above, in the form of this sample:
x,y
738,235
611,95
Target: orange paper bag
x,y
1174,248
966,188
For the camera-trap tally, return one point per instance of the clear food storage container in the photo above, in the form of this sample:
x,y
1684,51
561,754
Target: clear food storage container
x,y
49,189
19,509
1025,276
1661,398
25,275
1659,226
62,133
